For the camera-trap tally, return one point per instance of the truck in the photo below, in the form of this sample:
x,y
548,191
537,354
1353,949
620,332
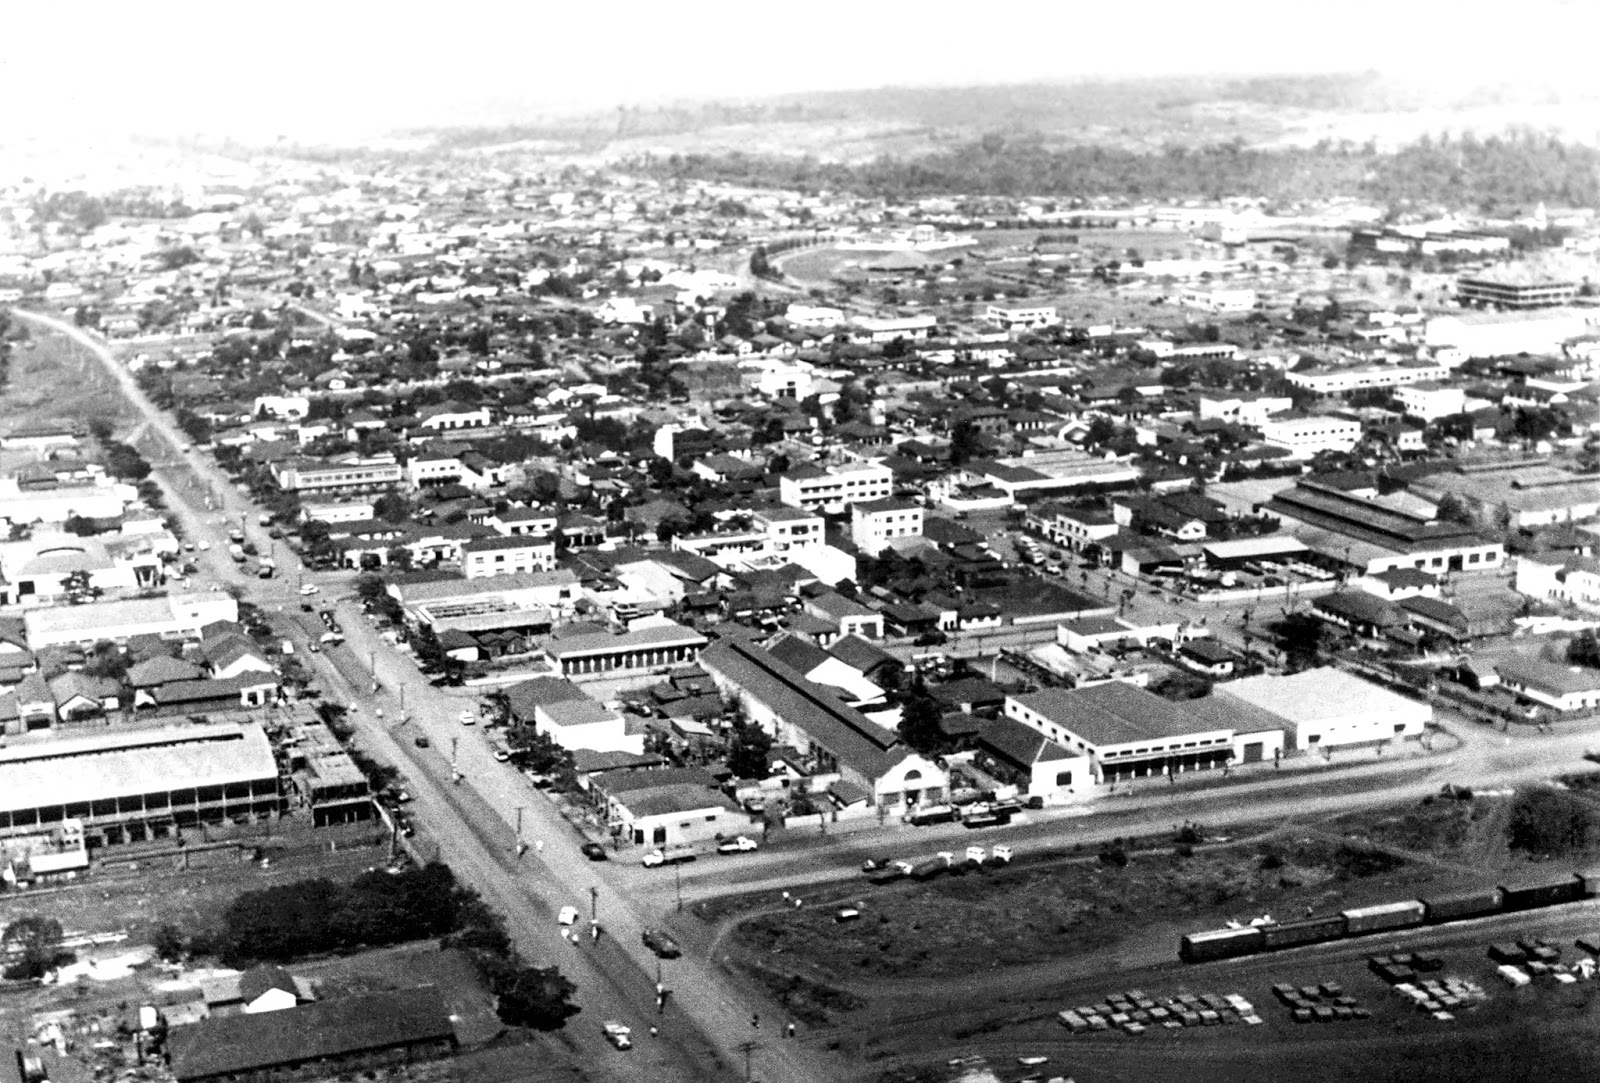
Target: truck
x,y
236,552
931,814
667,855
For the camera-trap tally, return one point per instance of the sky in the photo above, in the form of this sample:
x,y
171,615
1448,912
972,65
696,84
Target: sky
x,y
342,68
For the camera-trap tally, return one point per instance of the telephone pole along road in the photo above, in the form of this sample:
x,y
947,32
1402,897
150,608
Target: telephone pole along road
x,y
707,1021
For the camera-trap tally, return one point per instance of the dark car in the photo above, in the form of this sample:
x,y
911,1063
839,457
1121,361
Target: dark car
x,y
421,740
662,944
305,607
593,851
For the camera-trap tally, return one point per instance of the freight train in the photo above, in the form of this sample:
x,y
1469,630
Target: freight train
x,y
1530,894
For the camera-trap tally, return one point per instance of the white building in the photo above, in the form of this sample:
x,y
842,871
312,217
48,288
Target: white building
x,y
873,523
584,723
1329,708
174,616
1429,401
1506,334
810,487
911,328
1022,319
1253,410
354,512
816,316
1360,378
1304,437
1218,301
511,555
1559,577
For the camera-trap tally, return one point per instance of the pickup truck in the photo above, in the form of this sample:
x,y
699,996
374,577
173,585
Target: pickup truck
x,y
931,814
671,855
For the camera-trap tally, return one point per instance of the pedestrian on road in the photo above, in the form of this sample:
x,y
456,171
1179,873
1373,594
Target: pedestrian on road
x,y
755,1020
538,846
653,1032
790,1032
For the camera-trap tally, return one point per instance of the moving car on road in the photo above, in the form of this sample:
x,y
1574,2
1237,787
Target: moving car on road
x,y
617,1034
662,944
421,740
739,845
568,915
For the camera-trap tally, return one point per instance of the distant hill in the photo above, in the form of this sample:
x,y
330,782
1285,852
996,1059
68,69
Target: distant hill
x,y
1131,114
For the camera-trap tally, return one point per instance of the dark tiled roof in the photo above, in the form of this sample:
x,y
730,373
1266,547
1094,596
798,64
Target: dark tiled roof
x,y
232,1044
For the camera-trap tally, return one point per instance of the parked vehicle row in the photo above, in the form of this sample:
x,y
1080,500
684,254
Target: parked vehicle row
x,y
1549,890
885,870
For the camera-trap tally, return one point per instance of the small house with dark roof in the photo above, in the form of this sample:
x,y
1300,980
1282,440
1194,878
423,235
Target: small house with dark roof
x,y
1038,766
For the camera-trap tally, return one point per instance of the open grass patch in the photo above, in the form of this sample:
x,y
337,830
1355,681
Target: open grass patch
x,y
985,920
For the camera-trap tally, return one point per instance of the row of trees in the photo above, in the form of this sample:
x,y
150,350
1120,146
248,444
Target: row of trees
x,y
1518,168
291,921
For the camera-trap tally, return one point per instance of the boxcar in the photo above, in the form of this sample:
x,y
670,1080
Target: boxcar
x,y
1310,931
1542,891
1459,907
1219,944
1371,919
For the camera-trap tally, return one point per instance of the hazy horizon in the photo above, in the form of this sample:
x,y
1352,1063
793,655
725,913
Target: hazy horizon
x,y
310,72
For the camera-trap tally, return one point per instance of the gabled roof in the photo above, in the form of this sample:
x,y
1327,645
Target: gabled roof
x,y
161,670
237,1044
800,655
858,654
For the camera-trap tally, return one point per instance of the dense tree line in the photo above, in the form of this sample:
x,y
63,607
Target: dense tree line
x,y
279,924
1517,168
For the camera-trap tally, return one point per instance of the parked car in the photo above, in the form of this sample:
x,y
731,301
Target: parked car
x,y
846,913
568,915
617,1034
421,740
669,856
662,944
739,845
203,545
310,588
593,851
501,755
468,718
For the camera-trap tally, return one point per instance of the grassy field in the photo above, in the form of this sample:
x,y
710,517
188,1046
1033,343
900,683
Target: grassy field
x,y
56,379
993,919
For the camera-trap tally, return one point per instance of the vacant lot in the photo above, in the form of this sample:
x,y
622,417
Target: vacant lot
x,y
57,379
979,921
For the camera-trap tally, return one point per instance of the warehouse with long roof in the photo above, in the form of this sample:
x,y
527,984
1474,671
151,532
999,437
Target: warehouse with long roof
x,y
132,785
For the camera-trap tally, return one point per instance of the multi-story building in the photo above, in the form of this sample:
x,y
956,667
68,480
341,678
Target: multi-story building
x,y
1429,401
352,475
1507,292
874,523
810,487
1304,437
1022,319
512,555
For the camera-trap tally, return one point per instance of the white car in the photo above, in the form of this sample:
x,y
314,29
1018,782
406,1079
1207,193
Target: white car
x,y
568,915
618,1035
310,588
739,845
203,544
468,718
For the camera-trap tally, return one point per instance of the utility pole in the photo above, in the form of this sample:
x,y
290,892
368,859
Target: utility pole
x,y
594,903
677,879
747,1048
521,846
